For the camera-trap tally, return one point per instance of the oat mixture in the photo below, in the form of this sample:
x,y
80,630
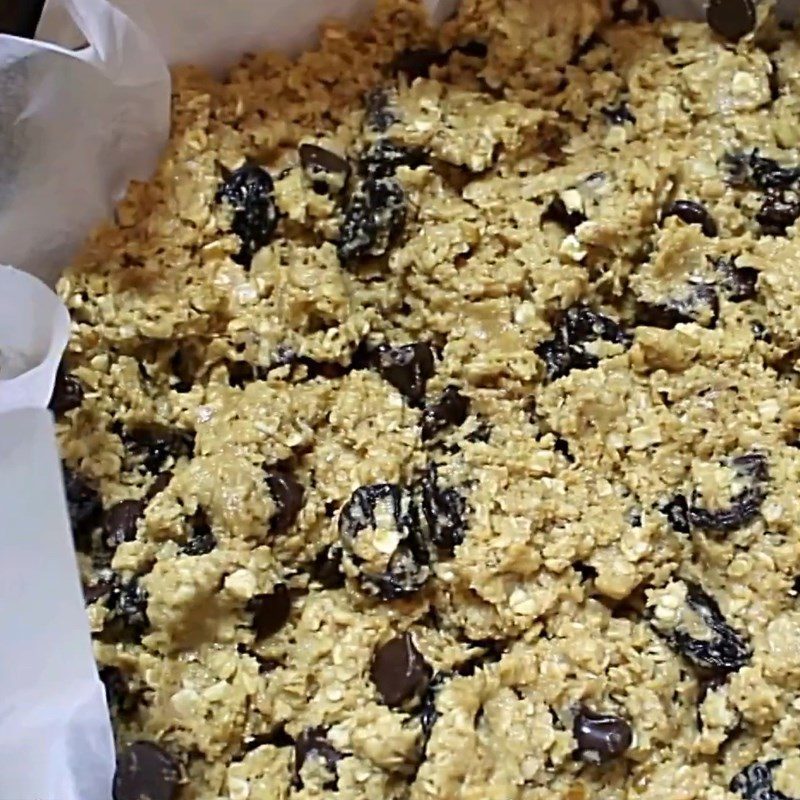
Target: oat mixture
x,y
431,421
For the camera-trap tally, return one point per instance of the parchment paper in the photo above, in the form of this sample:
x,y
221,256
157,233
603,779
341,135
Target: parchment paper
x,y
82,112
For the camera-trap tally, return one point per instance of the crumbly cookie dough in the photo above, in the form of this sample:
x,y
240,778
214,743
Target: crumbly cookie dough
x,y
431,418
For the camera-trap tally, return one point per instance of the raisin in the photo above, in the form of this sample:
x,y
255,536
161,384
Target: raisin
x,y
677,513
373,218
67,392
250,192
201,539
127,605
407,367
287,494
601,737
156,443
577,326
380,115
701,305
84,507
443,512
313,743
417,62
751,169
745,506
384,157
692,213
372,508
721,649
779,211
618,114
451,409
558,212
754,782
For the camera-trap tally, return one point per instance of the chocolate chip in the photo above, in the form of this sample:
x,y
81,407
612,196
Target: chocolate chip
x,y
119,697
156,443
407,367
67,392
287,494
399,671
119,521
558,212
451,409
127,607
313,743
601,737
240,373
146,771
270,611
779,210
93,592
380,114
473,49
618,114
731,19
317,159
326,568
692,213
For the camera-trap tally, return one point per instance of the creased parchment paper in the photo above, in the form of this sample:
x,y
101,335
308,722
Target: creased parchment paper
x,y
82,112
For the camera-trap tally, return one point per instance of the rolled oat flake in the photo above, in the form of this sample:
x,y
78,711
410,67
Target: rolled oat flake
x,y
146,772
731,18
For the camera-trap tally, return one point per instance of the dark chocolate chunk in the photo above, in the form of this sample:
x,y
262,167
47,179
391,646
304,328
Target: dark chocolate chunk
x,y
586,571
451,409
731,19
700,305
119,697
754,782
384,157
692,213
722,649
119,521
287,494
756,171
313,743
326,568
443,512
380,115
156,443
270,611
127,606
93,592
407,367
739,283
67,392
779,211
277,737
145,771
250,192
159,484
473,49
399,671
240,373
184,367
578,326
201,538
601,737
84,507
417,62
373,219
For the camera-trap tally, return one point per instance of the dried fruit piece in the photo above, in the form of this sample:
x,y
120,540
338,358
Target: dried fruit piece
x,y
601,737
731,19
201,538
692,213
313,743
157,443
270,611
67,392
287,494
399,671
119,522
779,211
145,771
380,534
451,409
745,506
700,633
407,367
755,781
84,507
374,216
251,194
578,326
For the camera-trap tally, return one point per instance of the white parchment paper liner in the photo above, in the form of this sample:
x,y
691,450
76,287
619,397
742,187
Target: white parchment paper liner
x,y
81,114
